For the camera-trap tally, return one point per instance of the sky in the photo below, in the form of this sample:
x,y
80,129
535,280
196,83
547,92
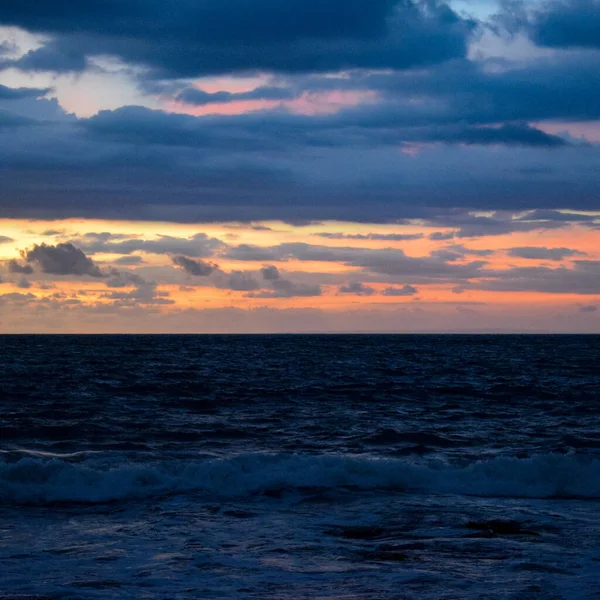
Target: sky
x,y
274,166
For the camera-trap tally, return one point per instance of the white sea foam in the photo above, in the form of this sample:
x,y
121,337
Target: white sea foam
x,y
40,481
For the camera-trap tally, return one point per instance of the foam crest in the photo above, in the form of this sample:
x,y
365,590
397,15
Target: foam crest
x,y
41,481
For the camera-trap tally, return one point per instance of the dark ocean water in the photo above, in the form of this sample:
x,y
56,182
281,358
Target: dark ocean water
x,y
292,467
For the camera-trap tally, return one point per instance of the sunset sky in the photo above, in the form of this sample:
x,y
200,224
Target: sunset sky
x,y
248,166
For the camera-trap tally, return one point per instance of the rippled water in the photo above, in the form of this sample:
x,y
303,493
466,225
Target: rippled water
x,y
435,467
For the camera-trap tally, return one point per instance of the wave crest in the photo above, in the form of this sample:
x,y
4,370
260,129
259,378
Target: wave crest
x,y
42,481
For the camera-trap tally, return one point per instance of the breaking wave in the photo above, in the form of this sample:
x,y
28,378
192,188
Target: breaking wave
x,y
42,480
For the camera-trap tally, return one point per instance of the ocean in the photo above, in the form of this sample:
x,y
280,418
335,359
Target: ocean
x,y
300,467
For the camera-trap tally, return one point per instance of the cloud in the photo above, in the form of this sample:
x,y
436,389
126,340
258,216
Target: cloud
x,y
5,240
144,292
197,268
15,267
198,245
62,259
567,24
397,146
240,281
283,288
120,279
199,97
383,237
7,93
357,289
202,38
23,283
406,290
442,235
582,278
390,261
541,253
454,252
55,57
11,121
129,260
270,273
589,308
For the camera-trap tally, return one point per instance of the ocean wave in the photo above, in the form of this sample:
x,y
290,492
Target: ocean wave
x,y
43,481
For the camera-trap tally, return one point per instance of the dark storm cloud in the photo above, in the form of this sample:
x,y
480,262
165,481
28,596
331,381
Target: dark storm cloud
x,y
357,288
179,38
7,93
541,253
197,268
567,24
15,267
62,259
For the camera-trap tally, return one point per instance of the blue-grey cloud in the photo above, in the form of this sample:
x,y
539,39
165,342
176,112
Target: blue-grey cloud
x,y
389,261
582,278
62,259
15,266
567,24
198,268
54,57
216,37
270,273
7,93
202,98
138,163
405,290
129,260
380,237
357,288
198,246
542,253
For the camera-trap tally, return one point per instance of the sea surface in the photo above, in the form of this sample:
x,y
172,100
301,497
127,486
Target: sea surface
x,y
300,467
